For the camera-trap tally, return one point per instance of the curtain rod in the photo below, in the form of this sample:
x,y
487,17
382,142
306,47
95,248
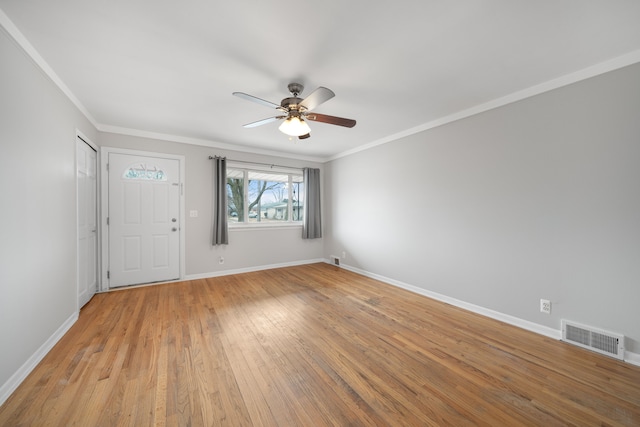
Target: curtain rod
x,y
271,165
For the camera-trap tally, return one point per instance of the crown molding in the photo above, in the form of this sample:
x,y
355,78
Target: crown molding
x,y
613,64
14,33
204,143
586,73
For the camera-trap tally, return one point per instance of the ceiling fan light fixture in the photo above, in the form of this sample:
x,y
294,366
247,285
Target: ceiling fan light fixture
x,y
294,126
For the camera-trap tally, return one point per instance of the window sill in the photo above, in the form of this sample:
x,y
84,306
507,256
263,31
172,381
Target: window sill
x,y
250,227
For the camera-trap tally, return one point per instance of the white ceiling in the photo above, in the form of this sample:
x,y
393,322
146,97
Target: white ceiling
x,y
168,67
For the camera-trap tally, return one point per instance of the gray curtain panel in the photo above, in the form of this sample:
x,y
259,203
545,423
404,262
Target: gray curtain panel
x,y
311,225
220,226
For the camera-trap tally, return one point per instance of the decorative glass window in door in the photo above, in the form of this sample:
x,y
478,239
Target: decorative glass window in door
x,y
146,172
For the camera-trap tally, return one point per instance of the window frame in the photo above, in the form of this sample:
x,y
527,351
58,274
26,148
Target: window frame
x,y
246,170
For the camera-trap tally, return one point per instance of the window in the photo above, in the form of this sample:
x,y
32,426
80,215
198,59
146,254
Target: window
x,y
261,197
146,172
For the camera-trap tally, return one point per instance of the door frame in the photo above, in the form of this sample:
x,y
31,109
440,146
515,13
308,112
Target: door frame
x,y
104,207
85,139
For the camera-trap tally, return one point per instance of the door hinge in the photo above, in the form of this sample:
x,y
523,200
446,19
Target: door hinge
x,y
107,220
108,274
107,166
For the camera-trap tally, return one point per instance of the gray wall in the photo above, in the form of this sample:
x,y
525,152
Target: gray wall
x,y
247,248
38,290
38,286
537,199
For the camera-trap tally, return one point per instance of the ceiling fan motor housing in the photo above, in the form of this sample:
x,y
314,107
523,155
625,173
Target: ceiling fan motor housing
x,y
291,103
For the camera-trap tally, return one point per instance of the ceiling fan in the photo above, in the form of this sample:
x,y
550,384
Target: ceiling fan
x,y
296,110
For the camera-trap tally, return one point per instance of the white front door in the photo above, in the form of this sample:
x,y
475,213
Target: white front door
x,y
143,219
87,186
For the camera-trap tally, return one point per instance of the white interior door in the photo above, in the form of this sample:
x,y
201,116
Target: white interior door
x,y
87,186
143,219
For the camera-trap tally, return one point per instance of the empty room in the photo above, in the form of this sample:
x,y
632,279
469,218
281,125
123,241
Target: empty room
x,y
260,213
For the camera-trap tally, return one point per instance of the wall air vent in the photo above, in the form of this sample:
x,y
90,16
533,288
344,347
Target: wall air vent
x,y
593,339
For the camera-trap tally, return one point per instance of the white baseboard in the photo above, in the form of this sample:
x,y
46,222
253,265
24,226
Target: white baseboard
x,y
16,379
250,269
629,357
506,318
633,358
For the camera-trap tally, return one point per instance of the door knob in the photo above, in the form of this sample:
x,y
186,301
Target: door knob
x,y
174,229
173,220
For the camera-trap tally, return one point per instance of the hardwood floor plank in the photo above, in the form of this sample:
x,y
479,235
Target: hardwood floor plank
x,y
311,345
366,347
301,379
251,361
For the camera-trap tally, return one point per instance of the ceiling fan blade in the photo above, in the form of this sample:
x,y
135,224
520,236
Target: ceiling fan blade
x,y
317,97
332,120
256,99
263,121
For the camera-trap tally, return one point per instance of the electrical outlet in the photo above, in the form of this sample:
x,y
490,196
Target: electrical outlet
x,y
545,306
221,260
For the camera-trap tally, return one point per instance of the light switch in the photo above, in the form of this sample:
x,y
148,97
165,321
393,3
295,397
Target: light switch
x,y
193,214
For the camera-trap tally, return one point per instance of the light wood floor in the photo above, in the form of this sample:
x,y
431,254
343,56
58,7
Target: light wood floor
x,y
311,346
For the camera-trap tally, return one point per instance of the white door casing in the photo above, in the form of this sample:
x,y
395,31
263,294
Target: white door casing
x,y
87,188
144,218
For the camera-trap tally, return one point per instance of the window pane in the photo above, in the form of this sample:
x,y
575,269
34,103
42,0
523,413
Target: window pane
x,y
146,172
268,197
297,198
235,195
